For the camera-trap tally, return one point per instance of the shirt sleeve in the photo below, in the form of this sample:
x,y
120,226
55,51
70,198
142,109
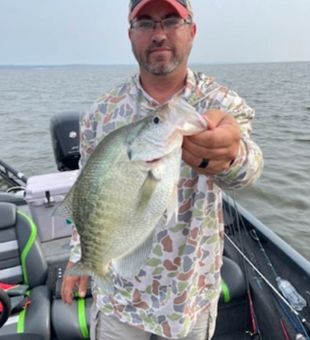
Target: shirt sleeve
x,y
88,127
247,166
75,246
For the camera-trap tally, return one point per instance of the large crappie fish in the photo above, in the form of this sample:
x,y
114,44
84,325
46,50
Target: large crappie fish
x,y
127,185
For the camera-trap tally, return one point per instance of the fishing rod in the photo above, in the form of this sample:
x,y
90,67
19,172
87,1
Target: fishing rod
x,y
291,296
255,333
271,286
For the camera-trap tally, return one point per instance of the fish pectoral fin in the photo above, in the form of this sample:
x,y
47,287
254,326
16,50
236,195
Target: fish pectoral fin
x,y
147,190
172,208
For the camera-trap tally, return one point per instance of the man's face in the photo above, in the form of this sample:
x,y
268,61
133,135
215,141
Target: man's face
x,y
160,51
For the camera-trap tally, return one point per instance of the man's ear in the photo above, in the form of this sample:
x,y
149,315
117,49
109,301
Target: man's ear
x,y
194,29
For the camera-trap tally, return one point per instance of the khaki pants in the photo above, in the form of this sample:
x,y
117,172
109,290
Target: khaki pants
x,y
110,328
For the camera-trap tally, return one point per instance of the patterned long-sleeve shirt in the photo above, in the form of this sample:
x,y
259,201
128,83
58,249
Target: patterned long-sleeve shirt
x,y
175,274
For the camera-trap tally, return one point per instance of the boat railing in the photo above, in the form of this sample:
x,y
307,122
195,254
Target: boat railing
x,y
11,176
266,233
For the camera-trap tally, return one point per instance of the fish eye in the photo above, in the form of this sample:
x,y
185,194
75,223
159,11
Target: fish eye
x,y
156,120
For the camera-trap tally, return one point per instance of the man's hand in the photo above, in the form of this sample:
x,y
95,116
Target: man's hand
x,y
219,144
71,284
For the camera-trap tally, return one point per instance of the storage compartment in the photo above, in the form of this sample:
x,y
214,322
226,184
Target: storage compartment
x,y
43,194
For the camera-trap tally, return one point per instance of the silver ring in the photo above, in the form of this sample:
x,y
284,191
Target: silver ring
x,y
204,163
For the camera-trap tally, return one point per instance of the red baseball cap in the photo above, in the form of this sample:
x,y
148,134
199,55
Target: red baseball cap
x,y
183,7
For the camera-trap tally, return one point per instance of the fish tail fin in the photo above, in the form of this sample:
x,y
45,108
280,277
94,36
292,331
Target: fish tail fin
x,y
103,280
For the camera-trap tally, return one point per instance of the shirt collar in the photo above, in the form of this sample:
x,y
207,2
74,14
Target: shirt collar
x,y
192,92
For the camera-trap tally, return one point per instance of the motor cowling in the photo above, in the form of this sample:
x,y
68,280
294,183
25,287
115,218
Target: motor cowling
x,y
65,135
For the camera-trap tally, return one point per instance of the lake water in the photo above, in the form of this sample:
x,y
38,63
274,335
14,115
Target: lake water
x,y
280,93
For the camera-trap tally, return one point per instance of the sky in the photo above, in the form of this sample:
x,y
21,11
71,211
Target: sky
x,y
54,32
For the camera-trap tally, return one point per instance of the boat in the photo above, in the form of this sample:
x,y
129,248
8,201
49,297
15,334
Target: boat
x,y
265,282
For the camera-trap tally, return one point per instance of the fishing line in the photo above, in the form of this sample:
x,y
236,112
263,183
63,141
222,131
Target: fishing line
x,y
255,328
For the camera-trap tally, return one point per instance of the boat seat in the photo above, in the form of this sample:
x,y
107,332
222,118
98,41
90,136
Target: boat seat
x,y
71,322
233,287
22,264
12,198
233,281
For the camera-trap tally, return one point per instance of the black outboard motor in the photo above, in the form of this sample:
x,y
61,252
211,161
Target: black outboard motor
x,y
65,134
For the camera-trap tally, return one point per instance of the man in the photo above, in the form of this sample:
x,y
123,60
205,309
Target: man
x,y
175,289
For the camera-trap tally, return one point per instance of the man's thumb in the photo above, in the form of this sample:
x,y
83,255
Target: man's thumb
x,y
211,125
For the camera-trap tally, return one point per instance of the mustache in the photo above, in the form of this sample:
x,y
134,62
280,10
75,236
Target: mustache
x,y
156,45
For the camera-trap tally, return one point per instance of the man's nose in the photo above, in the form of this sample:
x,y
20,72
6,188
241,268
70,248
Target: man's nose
x,y
158,33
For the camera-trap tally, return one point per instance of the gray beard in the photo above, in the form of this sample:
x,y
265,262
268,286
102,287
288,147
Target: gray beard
x,y
161,70
157,69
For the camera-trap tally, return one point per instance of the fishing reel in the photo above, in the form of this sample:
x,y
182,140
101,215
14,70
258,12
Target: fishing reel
x,y
253,335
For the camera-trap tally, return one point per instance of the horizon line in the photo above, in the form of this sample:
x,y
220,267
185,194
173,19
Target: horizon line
x,y
136,65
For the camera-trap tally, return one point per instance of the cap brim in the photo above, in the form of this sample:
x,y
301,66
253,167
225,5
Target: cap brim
x,y
183,12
